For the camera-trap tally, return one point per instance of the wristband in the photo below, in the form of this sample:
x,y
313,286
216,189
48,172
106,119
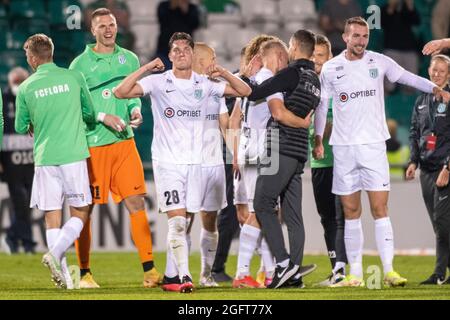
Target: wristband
x,y
101,116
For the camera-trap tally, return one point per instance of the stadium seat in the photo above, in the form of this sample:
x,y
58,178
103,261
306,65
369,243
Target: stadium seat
x,y
224,20
15,40
143,11
216,38
31,26
265,10
146,37
298,10
399,107
28,9
238,40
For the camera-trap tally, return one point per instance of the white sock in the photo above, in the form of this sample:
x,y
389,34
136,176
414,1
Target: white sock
x,y
385,242
178,244
189,242
67,236
52,235
248,241
339,265
354,241
283,263
208,247
267,259
171,267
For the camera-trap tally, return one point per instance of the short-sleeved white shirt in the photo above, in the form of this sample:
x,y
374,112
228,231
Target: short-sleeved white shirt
x,y
357,90
179,108
256,116
212,136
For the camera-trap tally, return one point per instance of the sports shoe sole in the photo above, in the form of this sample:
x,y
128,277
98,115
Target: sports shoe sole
x,y
57,277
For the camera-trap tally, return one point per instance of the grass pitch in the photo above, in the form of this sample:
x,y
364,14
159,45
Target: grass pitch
x,y
120,277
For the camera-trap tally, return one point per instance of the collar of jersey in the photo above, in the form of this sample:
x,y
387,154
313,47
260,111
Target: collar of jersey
x,y
99,56
302,63
46,66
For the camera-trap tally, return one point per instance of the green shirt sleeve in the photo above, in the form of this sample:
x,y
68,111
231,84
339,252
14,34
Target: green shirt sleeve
x,y
1,120
23,119
87,105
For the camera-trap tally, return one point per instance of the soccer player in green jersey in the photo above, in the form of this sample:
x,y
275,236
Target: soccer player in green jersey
x,y
115,164
328,205
54,103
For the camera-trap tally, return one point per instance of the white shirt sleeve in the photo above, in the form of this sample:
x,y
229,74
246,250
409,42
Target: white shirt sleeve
x,y
146,84
393,70
320,117
223,106
419,83
217,88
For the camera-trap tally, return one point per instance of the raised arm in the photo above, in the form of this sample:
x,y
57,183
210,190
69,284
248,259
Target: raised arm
x,y
235,86
129,88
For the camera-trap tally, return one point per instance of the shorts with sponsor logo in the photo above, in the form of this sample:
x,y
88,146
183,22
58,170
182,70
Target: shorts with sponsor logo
x,y
117,168
54,184
178,186
244,188
360,167
214,196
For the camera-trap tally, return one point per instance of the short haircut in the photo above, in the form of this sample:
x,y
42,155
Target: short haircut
x,y
100,12
306,40
267,46
322,40
181,36
252,48
40,46
355,20
441,57
202,46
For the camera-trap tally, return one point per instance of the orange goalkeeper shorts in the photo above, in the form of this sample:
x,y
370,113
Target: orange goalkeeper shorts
x,y
117,168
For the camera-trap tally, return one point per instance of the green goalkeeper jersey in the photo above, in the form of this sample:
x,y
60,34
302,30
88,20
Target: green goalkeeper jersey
x,y
327,161
55,102
103,72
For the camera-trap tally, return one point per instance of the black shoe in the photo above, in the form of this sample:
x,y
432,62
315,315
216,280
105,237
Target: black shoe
x,y
221,276
434,279
447,281
305,270
294,282
173,280
282,274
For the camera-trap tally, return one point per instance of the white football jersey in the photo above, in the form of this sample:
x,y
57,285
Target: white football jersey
x,y
256,116
179,108
357,90
212,136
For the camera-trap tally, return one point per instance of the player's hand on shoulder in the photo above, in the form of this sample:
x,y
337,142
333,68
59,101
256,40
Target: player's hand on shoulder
x,y
155,65
136,118
114,122
441,95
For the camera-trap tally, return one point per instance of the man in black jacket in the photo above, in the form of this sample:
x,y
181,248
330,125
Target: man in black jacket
x,y
430,150
16,160
287,152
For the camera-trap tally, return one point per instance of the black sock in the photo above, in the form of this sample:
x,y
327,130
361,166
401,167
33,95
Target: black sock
x,y
148,265
84,271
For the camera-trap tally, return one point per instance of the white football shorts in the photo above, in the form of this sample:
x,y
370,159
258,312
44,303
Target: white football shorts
x,y
244,189
360,167
178,186
54,184
214,196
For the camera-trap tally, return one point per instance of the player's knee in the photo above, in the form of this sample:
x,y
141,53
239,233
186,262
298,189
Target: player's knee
x,y
379,211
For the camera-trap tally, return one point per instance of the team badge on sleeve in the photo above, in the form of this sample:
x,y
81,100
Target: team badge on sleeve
x,y
106,94
373,73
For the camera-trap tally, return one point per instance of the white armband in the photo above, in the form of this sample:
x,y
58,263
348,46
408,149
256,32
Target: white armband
x,y
101,116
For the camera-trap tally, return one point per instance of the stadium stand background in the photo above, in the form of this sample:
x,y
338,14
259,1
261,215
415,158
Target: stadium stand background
x,y
226,25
